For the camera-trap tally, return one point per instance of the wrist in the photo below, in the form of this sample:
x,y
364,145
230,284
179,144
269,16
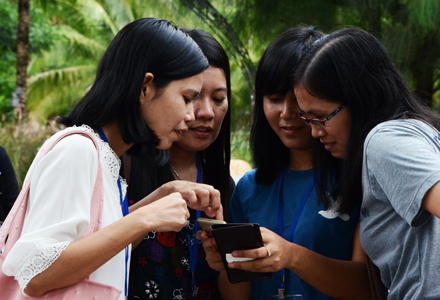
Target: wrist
x,y
294,257
164,190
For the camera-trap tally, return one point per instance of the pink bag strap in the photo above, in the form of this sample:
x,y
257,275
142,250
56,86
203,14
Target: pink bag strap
x,y
14,221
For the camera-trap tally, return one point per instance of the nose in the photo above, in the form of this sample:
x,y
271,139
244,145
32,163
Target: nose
x,y
189,112
289,110
203,108
317,131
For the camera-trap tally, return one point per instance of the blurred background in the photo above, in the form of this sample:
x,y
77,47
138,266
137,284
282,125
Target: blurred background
x,y
50,49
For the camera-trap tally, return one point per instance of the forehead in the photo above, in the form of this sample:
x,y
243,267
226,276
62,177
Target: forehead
x,y
312,104
192,84
214,77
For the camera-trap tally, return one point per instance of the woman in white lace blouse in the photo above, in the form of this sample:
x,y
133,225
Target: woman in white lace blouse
x,y
140,101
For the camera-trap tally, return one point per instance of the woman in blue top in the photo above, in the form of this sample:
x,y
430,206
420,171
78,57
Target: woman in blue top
x,y
306,235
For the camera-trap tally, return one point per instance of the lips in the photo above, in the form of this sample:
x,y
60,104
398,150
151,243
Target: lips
x,y
180,132
202,129
328,146
289,130
291,127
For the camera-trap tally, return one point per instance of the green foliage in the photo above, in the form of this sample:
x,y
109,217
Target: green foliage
x,y
424,15
68,38
240,148
22,143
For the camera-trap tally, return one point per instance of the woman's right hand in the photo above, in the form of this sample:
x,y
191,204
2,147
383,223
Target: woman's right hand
x,y
169,213
212,254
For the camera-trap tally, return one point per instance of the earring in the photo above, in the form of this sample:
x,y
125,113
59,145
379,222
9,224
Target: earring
x,y
142,101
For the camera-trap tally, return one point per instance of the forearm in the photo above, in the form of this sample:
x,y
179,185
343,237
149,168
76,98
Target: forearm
x,y
153,196
336,278
85,255
230,291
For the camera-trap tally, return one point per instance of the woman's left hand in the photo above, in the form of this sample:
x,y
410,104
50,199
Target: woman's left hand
x,y
280,251
199,196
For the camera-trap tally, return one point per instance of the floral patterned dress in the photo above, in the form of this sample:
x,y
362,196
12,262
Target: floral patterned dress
x,y
160,268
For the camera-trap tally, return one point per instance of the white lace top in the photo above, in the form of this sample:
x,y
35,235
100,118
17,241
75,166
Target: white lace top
x,y
59,208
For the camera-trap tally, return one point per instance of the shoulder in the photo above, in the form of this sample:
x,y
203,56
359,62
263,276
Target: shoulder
x,y
77,144
390,135
399,128
248,178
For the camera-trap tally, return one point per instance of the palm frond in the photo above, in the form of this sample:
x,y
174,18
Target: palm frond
x,y
83,43
96,11
51,91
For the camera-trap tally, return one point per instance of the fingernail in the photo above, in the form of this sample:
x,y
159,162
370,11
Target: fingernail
x,y
234,253
231,265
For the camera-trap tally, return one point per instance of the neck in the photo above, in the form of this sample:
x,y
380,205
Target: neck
x,y
114,138
184,162
300,160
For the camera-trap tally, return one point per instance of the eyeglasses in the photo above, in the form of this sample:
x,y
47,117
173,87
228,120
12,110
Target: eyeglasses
x,y
320,122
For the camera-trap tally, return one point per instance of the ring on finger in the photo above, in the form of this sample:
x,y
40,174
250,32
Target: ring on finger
x,y
268,252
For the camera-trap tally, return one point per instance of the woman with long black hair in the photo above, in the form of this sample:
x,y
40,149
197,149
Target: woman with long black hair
x,y
141,100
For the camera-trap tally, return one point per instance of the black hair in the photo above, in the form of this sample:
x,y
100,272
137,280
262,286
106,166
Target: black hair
x,y
215,160
274,76
351,67
217,156
145,45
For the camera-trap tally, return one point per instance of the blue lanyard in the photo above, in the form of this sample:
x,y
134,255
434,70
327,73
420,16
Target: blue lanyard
x,y
295,221
124,206
193,249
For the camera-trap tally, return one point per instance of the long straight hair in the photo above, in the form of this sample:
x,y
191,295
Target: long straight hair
x,y
275,76
351,67
147,175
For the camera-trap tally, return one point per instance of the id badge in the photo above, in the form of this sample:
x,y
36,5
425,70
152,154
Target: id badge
x,y
279,297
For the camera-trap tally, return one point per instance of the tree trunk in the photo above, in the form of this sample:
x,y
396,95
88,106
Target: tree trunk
x,y
22,56
426,56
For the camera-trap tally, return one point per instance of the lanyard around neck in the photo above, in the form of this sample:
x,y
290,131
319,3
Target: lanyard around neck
x,y
295,221
193,248
124,207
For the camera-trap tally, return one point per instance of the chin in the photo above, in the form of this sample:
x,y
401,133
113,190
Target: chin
x,y
337,155
163,145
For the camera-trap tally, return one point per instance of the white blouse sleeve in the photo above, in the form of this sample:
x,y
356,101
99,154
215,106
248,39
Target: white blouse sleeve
x,y
59,207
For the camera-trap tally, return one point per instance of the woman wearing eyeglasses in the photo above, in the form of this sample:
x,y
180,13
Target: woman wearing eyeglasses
x,y
389,148
314,247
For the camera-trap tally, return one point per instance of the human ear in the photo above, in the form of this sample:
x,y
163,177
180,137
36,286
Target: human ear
x,y
148,88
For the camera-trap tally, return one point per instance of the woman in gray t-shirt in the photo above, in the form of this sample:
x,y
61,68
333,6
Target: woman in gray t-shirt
x,y
365,114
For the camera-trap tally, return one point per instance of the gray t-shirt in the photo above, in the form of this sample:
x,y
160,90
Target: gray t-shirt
x,y
401,163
